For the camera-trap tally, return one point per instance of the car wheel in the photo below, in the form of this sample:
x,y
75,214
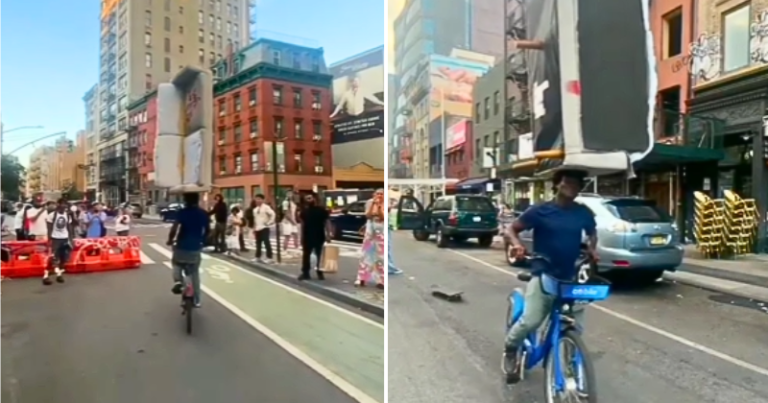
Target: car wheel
x,y
485,241
442,240
421,235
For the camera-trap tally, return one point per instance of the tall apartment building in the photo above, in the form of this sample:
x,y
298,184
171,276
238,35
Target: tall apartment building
x,y
146,42
37,173
91,104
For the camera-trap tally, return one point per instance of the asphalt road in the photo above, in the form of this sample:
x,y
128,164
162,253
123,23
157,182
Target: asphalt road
x,y
119,337
664,343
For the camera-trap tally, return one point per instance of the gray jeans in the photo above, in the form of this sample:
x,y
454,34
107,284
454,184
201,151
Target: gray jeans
x,y
186,263
538,306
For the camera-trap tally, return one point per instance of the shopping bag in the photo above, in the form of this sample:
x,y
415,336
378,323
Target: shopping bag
x,y
329,260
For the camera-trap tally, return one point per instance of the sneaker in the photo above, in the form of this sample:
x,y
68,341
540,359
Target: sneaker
x,y
511,365
60,278
303,277
177,288
320,275
47,280
198,305
267,261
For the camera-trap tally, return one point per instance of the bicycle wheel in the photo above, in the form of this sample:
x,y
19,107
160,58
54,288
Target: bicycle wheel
x,y
578,372
189,306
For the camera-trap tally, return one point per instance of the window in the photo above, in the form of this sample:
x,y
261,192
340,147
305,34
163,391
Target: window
x,y
277,95
254,161
222,165
319,159
496,139
148,18
212,58
477,112
229,9
211,21
167,5
736,33
278,128
486,108
167,64
181,10
218,42
315,65
167,45
299,161
218,24
200,17
317,129
237,45
181,29
638,211
276,57
218,6
181,49
222,135
167,24
673,33
478,150
297,97
236,30
474,203
238,132
316,104
229,27
254,127
148,59
298,129
222,107
148,82
252,95
496,103
201,56
200,36
147,38
235,11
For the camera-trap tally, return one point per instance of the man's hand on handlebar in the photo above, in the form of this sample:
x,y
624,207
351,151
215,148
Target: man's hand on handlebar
x,y
517,251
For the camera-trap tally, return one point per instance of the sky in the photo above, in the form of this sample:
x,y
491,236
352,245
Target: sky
x,y
50,54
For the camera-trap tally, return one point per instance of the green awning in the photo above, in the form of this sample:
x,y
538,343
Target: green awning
x,y
669,154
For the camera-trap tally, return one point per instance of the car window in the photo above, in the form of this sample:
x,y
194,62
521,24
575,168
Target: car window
x,y
357,207
481,204
442,204
638,211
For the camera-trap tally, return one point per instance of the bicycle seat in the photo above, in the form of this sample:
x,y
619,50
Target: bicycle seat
x,y
524,276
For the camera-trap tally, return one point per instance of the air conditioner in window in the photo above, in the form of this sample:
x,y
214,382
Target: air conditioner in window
x,y
268,167
221,142
317,137
281,168
222,172
316,106
222,114
254,135
319,169
252,103
238,170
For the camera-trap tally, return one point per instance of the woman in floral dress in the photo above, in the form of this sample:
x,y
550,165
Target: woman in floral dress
x,y
371,268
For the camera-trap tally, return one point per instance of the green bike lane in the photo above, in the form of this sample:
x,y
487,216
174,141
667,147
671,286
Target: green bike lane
x,y
344,347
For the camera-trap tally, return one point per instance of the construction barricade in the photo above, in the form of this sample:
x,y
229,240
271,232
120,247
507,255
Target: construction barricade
x,y
22,259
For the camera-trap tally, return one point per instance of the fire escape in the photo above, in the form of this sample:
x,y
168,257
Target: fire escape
x,y
518,111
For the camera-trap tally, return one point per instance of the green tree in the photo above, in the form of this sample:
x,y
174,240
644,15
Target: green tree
x,y
70,192
12,176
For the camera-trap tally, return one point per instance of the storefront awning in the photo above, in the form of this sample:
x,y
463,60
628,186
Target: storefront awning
x,y
671,155
477,184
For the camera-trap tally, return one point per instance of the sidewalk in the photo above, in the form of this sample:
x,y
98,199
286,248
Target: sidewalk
x,y
338,286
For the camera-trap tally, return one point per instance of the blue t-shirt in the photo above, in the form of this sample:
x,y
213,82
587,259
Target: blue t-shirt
x,y
193,222
557,235
95,224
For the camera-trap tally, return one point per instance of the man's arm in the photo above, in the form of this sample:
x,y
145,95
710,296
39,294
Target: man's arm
x,y
270,214
49,225
328,225
590,228
174,230
374,100
525,222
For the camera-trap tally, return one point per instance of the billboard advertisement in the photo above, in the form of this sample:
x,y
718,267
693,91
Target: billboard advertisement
x,y
596,105
456,135
452,81
358,97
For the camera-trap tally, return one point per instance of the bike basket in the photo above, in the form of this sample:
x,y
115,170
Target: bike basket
x,y
591,292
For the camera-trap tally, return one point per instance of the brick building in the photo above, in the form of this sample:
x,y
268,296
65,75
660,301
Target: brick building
x,y
272,99
142,134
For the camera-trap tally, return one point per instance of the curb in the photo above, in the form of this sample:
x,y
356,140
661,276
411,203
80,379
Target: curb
x,y
728,287
332,293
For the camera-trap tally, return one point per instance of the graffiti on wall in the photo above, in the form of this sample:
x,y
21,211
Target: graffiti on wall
x,y
758,42
704,58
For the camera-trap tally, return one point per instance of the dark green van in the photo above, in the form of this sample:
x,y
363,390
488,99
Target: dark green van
x,y
457,218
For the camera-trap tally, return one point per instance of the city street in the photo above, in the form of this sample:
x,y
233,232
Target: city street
x,y
120,337
665,343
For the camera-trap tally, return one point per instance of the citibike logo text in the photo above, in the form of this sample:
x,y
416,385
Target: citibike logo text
x,y
585,291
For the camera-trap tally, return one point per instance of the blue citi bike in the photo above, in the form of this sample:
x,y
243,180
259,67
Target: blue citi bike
x,y
571,379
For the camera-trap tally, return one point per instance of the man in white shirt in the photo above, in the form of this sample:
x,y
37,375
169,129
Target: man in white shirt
x,y
18,221
353,100
60,233
38,216
263,218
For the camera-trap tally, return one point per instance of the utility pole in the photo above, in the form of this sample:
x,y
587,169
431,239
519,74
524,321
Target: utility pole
x,y
275,178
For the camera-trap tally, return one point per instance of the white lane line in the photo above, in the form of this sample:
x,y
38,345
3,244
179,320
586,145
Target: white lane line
x,y
168,255
650,328
145,259
326,373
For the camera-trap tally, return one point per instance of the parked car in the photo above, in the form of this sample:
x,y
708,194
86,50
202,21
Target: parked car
x,y
169,212
457,218
348,221
634,238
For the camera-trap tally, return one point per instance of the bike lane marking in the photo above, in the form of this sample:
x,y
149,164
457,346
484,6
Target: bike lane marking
x,y
689,343
344,349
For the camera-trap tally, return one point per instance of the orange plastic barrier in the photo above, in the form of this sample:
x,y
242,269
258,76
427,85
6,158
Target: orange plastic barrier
x,y
105,254
22,259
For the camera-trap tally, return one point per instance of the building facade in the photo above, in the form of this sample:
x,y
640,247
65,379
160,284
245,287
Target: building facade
x,y
729,74
141,139
91,105
73,169
358,130
272,105
39,169
146,42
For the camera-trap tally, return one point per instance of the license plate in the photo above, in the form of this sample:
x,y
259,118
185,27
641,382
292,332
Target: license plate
x,y
658,240
476,219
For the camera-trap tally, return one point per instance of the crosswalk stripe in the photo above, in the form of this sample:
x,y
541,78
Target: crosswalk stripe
x,y
159,249
145,259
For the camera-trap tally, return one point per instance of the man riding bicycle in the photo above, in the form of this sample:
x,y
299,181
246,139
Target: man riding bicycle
x,y
558,227
187,237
